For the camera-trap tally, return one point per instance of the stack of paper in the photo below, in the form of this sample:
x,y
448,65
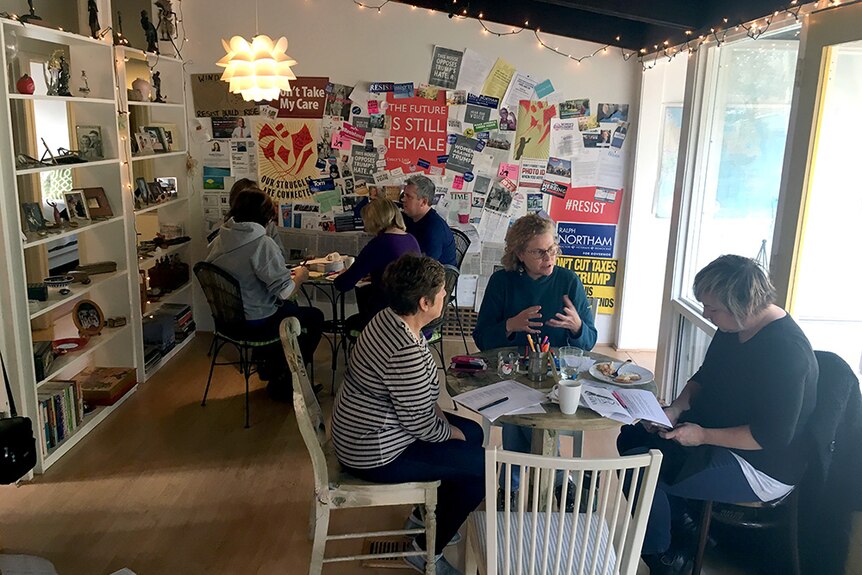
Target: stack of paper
x,y
502,398
624,405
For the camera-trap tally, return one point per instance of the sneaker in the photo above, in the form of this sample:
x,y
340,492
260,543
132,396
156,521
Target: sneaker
x,y
672,562
416,522
442,566
570,495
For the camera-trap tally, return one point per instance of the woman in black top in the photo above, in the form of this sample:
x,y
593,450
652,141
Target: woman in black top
x,y
739,421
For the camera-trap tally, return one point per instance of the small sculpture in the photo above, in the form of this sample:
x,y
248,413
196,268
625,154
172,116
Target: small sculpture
x,y
25,85
65,76
167,16
93,10
58,220
149,32
32,16
157,87
144,88
52,73
85,88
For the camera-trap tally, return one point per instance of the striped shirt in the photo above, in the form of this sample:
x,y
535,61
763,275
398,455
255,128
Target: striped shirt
x,y
388,397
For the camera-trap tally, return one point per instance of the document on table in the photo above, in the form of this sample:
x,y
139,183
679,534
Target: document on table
x,y
501,398
624,405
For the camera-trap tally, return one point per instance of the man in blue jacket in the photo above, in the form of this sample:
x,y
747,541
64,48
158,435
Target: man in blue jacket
x,y
430,230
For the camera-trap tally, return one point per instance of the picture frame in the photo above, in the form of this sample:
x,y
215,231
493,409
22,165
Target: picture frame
x,y
145,144
142,193
97,203
76,205
158,138
90,143
171,133
88,318
33,219
168,185
155,194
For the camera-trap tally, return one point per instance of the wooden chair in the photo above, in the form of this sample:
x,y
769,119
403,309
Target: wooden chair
x,y
604,539
225,299
335,489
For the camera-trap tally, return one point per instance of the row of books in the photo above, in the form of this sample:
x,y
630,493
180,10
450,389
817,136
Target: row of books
x,y
171,324
61,411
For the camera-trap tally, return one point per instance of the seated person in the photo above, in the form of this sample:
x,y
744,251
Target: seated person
x,y
739,421
244,184
386,424
243,250
532,295
383,220
431,231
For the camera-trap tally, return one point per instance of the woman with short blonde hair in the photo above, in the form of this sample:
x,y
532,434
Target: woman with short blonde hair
x,y
383,220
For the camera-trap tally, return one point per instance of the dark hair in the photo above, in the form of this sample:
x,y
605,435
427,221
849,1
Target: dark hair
x,y
738,283
253,205
410,278
240,185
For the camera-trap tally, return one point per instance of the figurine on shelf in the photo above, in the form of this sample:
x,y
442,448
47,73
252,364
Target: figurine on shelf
x,y
149,32
32,16
52,73
157,87
65,76
93,11
58,219
85,84
167,16
25,85
119,39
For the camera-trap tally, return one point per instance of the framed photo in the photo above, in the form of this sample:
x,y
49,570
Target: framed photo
x,y
142,193
88,317
170,131
76,205
145,144
156,196
90,142
33,218
97,203
158,137
168,185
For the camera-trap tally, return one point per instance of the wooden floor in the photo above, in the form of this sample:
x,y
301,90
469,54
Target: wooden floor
x,y
165,486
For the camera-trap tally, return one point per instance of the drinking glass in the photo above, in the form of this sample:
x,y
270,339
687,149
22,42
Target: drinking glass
x,y
570,361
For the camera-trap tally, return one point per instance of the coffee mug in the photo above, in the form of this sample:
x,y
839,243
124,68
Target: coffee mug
x,y
569,395
348,261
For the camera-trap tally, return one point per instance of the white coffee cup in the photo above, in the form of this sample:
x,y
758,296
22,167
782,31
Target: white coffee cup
x,y
348,261
569,395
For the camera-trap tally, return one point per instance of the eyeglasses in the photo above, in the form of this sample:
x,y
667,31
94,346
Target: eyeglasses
x,y
550,253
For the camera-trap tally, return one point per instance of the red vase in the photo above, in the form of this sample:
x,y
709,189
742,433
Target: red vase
x,y
26,85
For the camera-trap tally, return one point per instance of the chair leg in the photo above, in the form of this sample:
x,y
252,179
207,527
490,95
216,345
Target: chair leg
x,y
471,566
461,329
212,345
793,534
245,365
706,516
430,537
212,366
321,528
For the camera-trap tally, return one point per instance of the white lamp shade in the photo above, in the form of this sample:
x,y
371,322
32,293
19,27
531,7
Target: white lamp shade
x,y
257,71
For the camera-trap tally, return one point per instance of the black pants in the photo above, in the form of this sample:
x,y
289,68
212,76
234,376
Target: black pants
x,y
311,322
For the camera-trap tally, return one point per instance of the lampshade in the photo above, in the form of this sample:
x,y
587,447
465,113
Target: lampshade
x,y
258,71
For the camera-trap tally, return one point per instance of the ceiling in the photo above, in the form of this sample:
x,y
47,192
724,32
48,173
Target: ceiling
x,y
638,23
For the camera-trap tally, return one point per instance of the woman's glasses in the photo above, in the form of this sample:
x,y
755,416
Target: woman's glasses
x,y
550,253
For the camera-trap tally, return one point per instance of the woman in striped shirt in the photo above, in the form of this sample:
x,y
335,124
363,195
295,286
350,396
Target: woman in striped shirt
x,y
386,424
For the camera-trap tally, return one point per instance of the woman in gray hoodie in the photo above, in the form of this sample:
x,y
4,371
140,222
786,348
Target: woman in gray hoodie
x,y
245,251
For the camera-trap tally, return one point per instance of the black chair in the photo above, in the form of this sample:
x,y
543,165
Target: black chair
x,y
462,244
834,383
435,327
225,299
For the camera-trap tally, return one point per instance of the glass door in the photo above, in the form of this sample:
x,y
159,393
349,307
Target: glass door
x,y
823,265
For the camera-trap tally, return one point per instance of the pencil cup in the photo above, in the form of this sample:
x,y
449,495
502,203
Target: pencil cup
x,y
569,395
538,365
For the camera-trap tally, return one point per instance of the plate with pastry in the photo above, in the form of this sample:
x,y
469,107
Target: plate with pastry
x,y
620,373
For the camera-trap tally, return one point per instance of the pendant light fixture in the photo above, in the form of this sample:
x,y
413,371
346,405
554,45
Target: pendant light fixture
x,y
258,70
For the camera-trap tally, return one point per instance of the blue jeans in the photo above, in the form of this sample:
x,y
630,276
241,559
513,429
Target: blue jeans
x,y
519,438
701,473
460,467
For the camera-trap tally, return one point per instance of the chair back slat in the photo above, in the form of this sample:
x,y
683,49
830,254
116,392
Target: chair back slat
x,y
224,297
462,244
451,281
604,534
309,416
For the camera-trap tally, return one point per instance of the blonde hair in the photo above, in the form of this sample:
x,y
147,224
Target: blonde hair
x,y
738,283
519,235
380,215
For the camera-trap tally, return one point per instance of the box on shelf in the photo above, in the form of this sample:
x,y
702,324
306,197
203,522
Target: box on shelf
x,y
168,274
43,358
159,331
105,385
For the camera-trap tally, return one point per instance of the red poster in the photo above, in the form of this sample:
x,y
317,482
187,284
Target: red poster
x,y
591,205
306,98
418,132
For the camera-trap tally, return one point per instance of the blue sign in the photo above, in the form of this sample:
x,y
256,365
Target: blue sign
x,y
544,88
404,90
356,110
321,185
423,163
377,87
587,240
480,145
468,176
444,158
451,138
486,101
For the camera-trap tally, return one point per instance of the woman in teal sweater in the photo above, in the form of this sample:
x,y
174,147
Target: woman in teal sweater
x,y
532,295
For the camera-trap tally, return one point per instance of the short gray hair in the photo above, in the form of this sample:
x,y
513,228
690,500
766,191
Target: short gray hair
x,y
738,283
424,187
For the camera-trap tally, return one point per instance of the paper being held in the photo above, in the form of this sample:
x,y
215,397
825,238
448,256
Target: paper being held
x,y
624,405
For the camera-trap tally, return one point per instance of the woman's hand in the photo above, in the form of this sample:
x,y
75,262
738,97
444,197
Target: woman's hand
x,y
456,433
686,434
525,321
568,318
300,275
672,414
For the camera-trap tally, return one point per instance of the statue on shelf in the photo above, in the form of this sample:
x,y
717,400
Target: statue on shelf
x,y
32,16
52,73
157,87
149,32
58,220
167,19
119,39
85,84
65,76
93,11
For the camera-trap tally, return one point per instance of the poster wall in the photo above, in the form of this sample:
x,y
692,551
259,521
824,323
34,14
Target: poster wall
x,y
287,151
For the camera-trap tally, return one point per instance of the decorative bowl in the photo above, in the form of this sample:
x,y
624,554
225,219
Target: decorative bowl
x,y
58,281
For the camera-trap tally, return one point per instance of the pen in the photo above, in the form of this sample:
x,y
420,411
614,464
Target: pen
x,y
620,399
545,342
493,403
530,341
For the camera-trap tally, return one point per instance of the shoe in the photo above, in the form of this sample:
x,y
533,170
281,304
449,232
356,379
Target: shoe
x,y
501,500
671,562
570,495
416,522
687,531
442,566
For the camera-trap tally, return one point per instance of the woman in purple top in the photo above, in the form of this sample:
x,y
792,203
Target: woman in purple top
x,y
383,220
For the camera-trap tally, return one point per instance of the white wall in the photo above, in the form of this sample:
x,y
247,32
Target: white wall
x,y
334,38
646,257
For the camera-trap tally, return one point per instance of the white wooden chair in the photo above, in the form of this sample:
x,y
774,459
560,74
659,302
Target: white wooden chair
x,y
605,537
335,489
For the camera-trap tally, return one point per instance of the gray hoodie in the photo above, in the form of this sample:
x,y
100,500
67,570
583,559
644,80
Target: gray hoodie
x,y
245,251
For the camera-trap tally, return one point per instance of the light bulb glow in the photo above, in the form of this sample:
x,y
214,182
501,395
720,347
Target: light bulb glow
x,y
259,70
